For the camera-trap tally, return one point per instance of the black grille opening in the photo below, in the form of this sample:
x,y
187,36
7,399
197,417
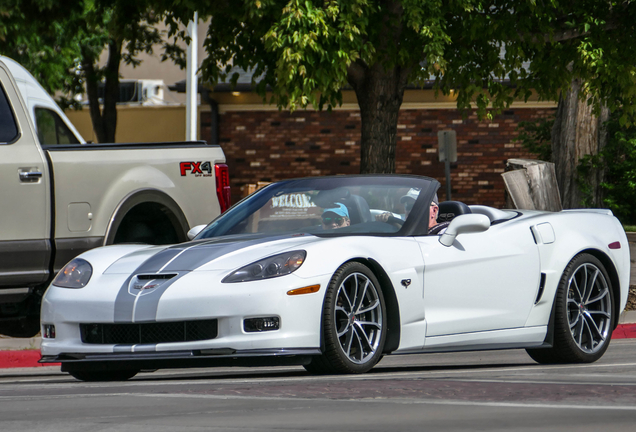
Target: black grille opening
x,y
163,332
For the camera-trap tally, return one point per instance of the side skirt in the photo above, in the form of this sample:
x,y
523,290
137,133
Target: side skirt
x,y
525,337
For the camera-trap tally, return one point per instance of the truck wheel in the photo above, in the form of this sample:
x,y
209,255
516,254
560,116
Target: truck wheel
x,y
149,223
25,327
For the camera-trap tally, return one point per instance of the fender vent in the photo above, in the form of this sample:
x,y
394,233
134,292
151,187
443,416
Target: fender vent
x,y
541,288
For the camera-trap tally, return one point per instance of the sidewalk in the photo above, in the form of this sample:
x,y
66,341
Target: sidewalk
x,y
20,353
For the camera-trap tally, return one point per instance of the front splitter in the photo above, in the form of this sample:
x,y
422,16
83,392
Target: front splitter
x,y
182,359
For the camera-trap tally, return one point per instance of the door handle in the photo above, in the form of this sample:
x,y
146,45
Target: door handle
x,y
30,176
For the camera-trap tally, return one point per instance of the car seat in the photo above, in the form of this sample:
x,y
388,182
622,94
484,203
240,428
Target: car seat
x,y
449,209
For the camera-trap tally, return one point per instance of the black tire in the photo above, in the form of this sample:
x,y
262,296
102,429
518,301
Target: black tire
x,y
25,327
583,315
111,375
353,334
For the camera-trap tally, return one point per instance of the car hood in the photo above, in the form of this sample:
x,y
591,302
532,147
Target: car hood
x,y
224,253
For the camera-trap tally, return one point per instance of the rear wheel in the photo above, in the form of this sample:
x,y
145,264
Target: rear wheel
x,y
113,375
354,322
584,312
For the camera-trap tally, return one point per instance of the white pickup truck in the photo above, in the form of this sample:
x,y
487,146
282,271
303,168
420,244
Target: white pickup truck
x,y
64,197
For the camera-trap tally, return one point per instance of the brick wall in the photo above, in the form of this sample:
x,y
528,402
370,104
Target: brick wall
x,y
276,145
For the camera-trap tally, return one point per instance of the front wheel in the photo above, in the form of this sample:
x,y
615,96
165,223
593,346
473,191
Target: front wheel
x,y
353,322
584,312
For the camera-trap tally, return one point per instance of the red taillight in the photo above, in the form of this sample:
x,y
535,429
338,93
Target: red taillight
x,y
223,185
615,245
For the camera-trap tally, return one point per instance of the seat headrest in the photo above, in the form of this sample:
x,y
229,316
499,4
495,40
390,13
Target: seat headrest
x,y
449,209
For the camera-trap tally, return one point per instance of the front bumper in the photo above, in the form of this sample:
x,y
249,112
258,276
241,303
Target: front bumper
x,y
197,296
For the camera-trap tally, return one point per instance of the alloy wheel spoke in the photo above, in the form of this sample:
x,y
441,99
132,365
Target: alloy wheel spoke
x,y
359,343
362,335
599,297
347,343
591,325
586,286
369,308
345,330
356,286
343,291
577,331
576,286
586,326
590,287
360,298
600,312
575,322
369,323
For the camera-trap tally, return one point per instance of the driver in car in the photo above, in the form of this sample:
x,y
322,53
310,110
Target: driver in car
x,y
335,217
408,201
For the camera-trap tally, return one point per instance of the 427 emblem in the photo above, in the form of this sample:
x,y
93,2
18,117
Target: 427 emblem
x,y
199,169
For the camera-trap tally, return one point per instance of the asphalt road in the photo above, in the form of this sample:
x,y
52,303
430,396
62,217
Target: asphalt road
x,y
479,391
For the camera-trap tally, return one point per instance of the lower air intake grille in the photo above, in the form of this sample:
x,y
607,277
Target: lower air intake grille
x,y
128,334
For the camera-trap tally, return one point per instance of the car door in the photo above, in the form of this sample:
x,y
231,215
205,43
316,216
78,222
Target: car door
x,y
484,281
24,195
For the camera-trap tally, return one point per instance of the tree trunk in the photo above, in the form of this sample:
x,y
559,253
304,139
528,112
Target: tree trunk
x,y
577,132
379,94
104,120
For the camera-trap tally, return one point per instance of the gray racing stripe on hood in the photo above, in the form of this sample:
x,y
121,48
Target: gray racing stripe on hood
x,y
180,259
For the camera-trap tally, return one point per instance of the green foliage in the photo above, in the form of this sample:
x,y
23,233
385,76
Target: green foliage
x,y
618,161
54,39
535,136
36,36
486,53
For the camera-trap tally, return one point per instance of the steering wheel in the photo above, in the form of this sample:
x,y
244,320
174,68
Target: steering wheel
x,y
395,221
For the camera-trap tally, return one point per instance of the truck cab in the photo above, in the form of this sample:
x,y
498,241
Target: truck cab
x,y
61,196
51,124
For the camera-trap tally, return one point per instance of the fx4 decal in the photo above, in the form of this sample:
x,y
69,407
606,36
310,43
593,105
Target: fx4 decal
x,y
199,169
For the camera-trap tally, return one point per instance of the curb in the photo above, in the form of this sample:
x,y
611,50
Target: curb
x,y
29,358
625,331
22,359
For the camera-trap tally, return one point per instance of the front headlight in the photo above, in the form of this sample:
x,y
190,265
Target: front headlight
x,y
271,267
75,274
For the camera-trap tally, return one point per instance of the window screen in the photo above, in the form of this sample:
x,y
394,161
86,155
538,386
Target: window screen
x,y
52,129
8,128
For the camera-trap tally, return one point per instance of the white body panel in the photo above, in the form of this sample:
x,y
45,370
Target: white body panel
x,y
479,293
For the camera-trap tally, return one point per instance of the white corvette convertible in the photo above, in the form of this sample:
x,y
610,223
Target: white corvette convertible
x,y
332,273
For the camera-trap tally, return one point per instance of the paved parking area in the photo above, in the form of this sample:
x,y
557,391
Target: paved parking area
x,y
496,390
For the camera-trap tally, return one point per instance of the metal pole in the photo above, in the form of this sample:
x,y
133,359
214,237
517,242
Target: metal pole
x,y
191,80
447,169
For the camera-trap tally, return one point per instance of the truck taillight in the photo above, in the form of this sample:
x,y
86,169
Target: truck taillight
x,y
223,185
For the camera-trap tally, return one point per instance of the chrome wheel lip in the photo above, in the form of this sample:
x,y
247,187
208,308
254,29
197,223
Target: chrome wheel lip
x,y
589,308
358,318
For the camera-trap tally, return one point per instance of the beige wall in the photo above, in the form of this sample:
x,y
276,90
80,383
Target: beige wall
x,y
138,123
152,67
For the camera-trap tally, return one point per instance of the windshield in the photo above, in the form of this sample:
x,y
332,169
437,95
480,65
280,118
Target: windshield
x,y
341,205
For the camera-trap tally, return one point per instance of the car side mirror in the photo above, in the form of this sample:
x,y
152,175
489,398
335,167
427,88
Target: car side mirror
x,y
464,224
195,231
